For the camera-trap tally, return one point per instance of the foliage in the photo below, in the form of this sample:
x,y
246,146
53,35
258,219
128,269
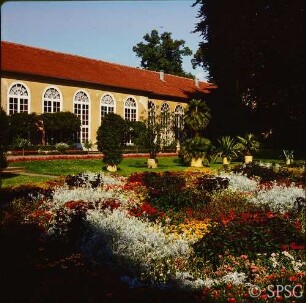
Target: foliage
x,y
227,147
61,126
3,139
212,183
83,179
88,145
61,147
265,173
23,125
248,234
197,116
111,137
288,154
242,64
162,53
248,144
196,147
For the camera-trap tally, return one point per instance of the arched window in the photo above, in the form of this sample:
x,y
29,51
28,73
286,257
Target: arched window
x,y
130,109
81,109
165,115
107,105
151,112
18,99
52,100
166,134
178,121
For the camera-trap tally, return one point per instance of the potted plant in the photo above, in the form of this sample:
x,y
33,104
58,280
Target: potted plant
x,y
88,145
227,149
288,155
197,117
248,144
194,151
111,138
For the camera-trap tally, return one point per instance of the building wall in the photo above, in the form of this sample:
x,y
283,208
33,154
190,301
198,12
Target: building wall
x,y
37,89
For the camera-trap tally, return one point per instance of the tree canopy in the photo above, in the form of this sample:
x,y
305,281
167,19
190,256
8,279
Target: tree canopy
x,y
254,52
162,52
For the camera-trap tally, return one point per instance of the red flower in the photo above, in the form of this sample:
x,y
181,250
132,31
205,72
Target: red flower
x,y
231,300
279,298
293,278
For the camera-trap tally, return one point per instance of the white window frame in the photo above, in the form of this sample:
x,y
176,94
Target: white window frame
x,y
88,127
18,97
52,100
101,104
125,107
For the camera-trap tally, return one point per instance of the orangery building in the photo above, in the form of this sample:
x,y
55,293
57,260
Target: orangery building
x,y
44,81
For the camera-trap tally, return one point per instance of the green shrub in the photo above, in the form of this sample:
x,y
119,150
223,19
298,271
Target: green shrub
x,y
196,147
61,147
111,138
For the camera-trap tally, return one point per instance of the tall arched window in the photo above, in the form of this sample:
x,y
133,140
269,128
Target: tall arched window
x,y
178,121
52,100
81,109
107,105
130,109
166,135
165,115
18,99
151,112
130,114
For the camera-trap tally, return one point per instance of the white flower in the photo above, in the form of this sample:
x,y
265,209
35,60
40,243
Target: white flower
x,y
278,198
235,278
240,182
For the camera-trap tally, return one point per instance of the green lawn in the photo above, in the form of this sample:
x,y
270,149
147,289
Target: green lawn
x,y
65,167
13,180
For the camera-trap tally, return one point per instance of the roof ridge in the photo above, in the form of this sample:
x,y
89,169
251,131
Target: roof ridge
x,y
97,60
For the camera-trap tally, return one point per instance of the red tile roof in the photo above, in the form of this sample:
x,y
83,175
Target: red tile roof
x,y
23,59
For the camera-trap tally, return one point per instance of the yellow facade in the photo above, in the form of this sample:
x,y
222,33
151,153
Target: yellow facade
x,y
36,91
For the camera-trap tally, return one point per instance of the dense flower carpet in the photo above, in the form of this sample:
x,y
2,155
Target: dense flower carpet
x,y
237,236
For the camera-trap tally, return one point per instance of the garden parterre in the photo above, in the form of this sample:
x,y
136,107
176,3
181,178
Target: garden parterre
x,y
221,239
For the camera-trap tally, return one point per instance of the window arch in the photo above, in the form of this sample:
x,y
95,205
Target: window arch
x,y
18,99
52,100
82,110
178,121
151,111
165,115
130,109
107,105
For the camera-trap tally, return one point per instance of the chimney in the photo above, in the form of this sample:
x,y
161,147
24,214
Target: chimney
x,y
196,82
162,75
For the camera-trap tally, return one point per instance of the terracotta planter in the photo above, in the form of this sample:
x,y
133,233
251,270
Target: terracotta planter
x,y
225,161
196,162
248,159
111,168
152,163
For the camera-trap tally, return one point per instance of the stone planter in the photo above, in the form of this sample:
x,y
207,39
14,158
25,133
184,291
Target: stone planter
x,y
248,159
152,163
111,168
196,162
225,161
289,161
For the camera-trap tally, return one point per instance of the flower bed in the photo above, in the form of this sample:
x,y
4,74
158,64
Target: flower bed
x,y
217,238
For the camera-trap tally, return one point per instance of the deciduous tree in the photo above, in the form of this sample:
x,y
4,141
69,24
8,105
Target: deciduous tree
x,y
162,52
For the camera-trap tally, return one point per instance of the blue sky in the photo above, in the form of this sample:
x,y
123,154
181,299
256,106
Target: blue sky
x,y
105,30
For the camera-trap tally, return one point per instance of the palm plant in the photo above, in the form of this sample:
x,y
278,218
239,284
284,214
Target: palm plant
x,y
248,144
227,148
197,116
